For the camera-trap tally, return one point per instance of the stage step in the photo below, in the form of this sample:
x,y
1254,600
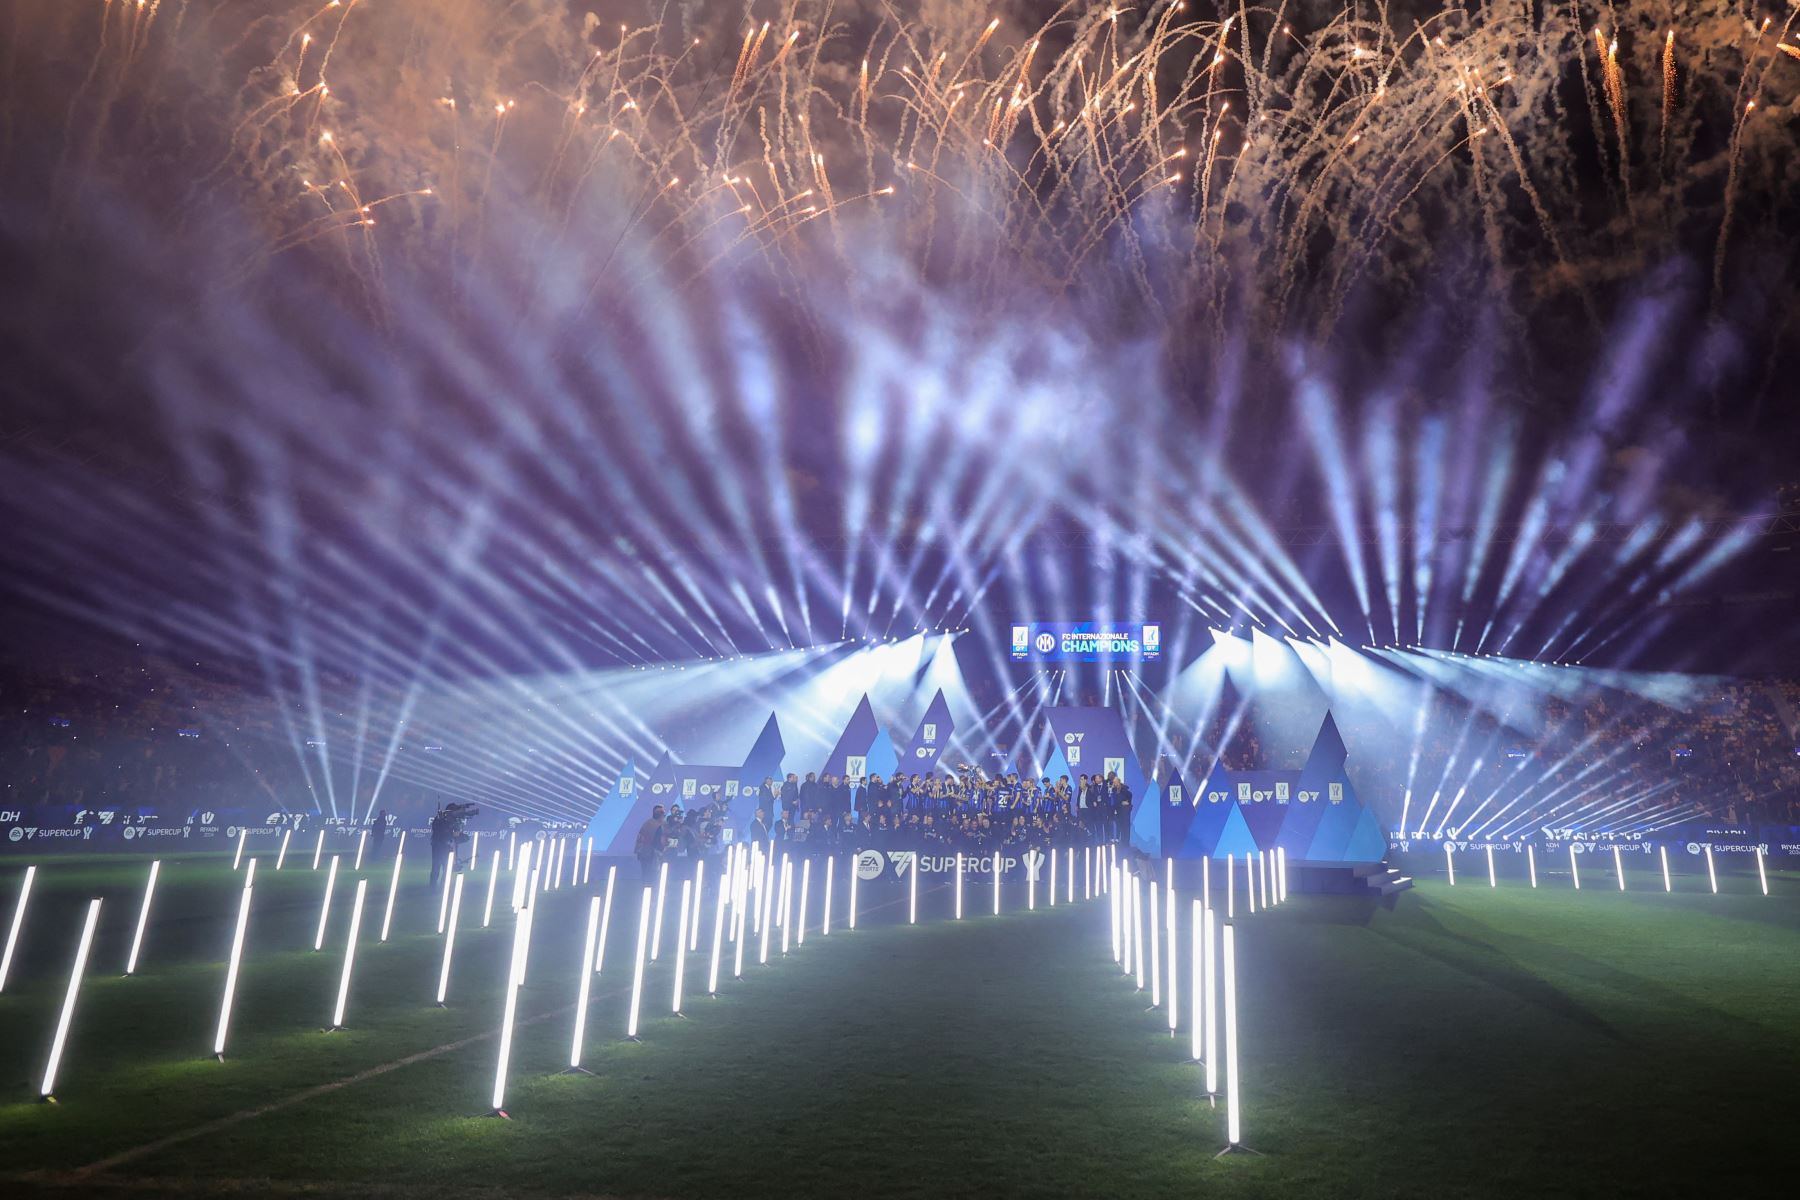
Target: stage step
x,y
1394,884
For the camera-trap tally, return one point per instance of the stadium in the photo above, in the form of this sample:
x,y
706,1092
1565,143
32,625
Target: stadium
x,y
609,598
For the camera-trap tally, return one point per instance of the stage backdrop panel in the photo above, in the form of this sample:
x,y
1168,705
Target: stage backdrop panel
x,y
1313,813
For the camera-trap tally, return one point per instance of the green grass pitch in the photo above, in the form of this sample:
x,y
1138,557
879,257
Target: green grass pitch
x,y
1460,1042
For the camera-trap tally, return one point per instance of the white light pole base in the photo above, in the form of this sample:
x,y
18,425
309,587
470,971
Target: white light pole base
x,y
570,1071
497,1112
1239,1148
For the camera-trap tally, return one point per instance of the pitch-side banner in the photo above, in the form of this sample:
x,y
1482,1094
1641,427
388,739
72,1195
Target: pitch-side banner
x,y
1086,641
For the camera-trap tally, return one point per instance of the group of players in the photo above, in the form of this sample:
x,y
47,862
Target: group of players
x,y
951,812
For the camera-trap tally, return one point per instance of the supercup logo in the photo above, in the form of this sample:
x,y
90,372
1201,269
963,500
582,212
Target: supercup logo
x,y
731,787
1175,794
1281,790
930,733
1336,792
1152,637
626,786
869,864
1021,636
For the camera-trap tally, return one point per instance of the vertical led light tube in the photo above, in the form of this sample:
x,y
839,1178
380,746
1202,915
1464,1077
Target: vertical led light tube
x,y
739,916
1233,1118
387,918
487,910
693,936
1209,977
786,902
237,860
605,918
912,903
584,980
1196,980
662,887
1619,868
1174,958
687,898
444,900
805,883
637,970
996,883
343,995
1662,853
765,901
1155,948
1531,863
1574,867
1450,863
1137,926
325,904
712,973
521,935
231,972
825,917
281,855
450,938
68,1005
855,874
1712,876
362,842
137,937
959,870
318,848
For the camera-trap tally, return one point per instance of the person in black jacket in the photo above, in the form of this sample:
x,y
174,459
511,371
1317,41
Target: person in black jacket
x,y
758,829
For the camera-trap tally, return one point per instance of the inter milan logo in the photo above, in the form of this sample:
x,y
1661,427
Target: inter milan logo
x,y
1046,642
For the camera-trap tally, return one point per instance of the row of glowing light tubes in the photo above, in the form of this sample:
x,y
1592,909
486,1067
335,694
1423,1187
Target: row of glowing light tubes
x,y
1712,875
755,889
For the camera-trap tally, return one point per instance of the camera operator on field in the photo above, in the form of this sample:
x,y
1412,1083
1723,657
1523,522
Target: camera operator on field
x,y
446,833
